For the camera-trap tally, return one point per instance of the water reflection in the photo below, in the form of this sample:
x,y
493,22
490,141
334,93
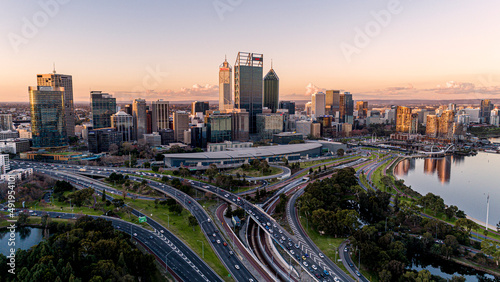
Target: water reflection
x,y
439,166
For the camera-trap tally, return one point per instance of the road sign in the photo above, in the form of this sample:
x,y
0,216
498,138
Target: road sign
x,y
142,219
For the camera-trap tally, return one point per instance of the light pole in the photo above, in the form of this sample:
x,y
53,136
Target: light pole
x,y
166,261
202,248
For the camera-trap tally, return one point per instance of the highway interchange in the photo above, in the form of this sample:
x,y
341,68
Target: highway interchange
x,y
181,260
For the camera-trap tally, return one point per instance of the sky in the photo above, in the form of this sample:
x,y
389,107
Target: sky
x,y
171,50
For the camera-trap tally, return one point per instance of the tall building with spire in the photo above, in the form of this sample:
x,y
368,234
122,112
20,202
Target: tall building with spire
x,y
225,100
271,90
248,85
66,81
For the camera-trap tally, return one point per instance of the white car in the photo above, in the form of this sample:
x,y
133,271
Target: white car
x,y
237,266
281,232
321,255
227,195
305,264
292,252
314,267
218,241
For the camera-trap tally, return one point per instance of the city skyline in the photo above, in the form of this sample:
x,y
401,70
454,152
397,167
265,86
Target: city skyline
x,y
402,57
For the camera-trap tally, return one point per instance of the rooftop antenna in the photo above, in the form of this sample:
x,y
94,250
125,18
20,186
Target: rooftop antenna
x,y
54,67
271,63
225,57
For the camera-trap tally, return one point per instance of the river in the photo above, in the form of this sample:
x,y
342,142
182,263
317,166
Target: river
x,y
462,181
25,239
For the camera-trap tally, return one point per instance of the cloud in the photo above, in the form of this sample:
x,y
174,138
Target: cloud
x,y
311,89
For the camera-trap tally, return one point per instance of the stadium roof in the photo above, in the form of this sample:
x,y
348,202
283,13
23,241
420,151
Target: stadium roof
x,y
265,151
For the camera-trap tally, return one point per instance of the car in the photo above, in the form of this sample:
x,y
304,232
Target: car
x,y
218,241
162,231
118,227
281,241
225,244
237,266
209,220
227,195
345,249
303,257
290,244
213,241
135,234
321,255
305,263
306,255
357,273
250,280
296,246
150,237
58,216
283,238
231,253
213,235
326,273
274,225
314,267
189,202
292,252
281,232
289,239
317,275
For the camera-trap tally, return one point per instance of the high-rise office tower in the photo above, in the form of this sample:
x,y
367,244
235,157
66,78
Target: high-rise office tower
x,y
446,124
318,104
362,108
240,124
5,122
332,102
128,109
219,127
432,126
403,119
149,120
225,72
288,105
66,81
181,123
199,107
248,85
485,110
102,106
346,108
123,123
271,90
47,117
140,118
160,115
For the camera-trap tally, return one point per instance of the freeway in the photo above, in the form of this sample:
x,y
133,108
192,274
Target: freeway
x,y
171,243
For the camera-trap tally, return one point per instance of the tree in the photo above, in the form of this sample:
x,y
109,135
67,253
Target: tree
x,y
498,226
22,219
311,170
155,168
118,203
340,152
103,195
491,248
229,211
192,221
146,164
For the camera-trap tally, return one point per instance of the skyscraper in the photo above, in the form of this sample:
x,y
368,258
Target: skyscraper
x,y
199,107
290,106
239,124
219,127
403,119
181,123
225,72
318,104
66,81
271,90
5,122
140,118
432,126
332,102
47,117
362,108
160,115
123,123
102,106
485,110
446,124
248,85
346,107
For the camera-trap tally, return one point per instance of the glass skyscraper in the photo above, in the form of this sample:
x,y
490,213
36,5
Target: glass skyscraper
x,y
271,90
47,117
248,85
140,118
66,82
346,108
219,127
103,106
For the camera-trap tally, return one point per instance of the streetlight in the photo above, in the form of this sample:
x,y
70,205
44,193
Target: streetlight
x,y
202,248
166,261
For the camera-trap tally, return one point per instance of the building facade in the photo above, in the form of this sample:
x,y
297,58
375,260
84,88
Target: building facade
x,y
102,106
346,108
65,82
101,139
318,104
161,114
225,86
269,124
181,123
271,90
248,85
332,102
48,123
5,122
140,118
199,107
288,105
123,123
219,127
